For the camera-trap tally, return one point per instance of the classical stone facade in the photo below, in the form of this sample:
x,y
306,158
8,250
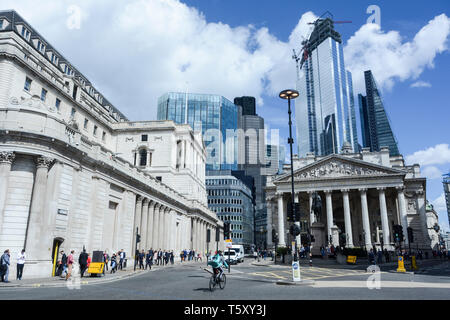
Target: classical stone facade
x,y
68,178
363,196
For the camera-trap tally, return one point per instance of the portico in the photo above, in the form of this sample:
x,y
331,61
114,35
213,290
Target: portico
x,y
361,201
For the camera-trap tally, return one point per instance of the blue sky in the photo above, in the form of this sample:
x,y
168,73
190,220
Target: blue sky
x,y
236,48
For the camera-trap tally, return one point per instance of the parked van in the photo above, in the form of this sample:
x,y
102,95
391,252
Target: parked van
x,y
239,249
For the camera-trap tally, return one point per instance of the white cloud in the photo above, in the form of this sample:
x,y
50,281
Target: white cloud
x,y
136,50
439,154
421,84
439,203
391,59
432,172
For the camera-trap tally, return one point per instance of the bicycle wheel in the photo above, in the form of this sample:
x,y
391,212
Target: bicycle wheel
x,y
212,283
223,281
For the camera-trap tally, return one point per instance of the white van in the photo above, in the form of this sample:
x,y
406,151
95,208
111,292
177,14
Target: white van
x,y
230,256
239,249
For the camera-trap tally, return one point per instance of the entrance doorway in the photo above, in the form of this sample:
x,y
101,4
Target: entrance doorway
x,y
55,254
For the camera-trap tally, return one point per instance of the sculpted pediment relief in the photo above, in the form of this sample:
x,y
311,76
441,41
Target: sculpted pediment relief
x,y
336,168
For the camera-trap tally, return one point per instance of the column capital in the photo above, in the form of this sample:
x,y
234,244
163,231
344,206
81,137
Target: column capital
x,y
310,193
44,162
362,190
7,157
400,188
381,188
146,201
345,190
327,192
139,198
279,193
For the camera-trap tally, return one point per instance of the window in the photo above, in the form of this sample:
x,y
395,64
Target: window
x,y
86,121
144,137
72,113
27,84
43,94
104,136
57,104
25,33
1,24
95,130
159,178
54,58
40,46
143,158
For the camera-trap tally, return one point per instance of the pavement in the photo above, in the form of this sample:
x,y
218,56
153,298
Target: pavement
x,y
128,272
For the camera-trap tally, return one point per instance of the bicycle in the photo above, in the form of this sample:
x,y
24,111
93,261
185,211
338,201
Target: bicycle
x,y
215,280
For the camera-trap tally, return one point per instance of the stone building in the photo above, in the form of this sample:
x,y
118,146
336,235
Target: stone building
x,y
363,196
72,167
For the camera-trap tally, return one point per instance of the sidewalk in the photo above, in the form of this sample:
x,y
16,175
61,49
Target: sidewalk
x,y
108,277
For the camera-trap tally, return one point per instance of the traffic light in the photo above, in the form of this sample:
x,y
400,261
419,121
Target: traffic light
x,y
138,238
274,236
294,230
290,212
226,230
410,234
398,233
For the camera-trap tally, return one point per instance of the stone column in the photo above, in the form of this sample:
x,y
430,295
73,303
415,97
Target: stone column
x,y
150,224
384,219
35,249
347,219
330,223
281,233
365,219
269,222
6,160
143,227
155,227
312,219
163,229
403,213
137,220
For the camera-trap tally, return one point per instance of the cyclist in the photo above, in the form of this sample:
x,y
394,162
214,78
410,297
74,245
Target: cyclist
x,y
217,262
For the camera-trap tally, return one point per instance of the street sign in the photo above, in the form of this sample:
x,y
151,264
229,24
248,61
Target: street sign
x,y
296,271
228,243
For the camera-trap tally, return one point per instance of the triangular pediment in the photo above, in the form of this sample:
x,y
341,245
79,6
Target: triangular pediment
x,y
335,166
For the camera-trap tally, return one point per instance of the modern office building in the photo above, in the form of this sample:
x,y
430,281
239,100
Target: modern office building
x,y
253,160
446,183
325,112
213,115
231,197
375,126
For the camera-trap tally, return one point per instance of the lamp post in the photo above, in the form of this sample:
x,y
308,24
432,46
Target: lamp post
x,y
288,95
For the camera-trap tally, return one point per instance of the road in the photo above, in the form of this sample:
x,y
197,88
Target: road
x,y
249,282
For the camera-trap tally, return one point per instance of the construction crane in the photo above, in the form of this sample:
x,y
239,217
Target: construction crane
x,y
305,43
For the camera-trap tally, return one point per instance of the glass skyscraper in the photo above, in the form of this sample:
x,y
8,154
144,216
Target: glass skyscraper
x,y
376,130
325,112
210,114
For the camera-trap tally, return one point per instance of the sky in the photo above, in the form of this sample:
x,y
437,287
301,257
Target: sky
x,y
134,51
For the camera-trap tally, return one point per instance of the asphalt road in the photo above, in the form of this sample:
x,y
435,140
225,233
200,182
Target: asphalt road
x,y
248,282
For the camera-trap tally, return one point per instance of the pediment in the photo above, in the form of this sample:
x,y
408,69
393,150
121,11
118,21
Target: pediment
x,y
338,167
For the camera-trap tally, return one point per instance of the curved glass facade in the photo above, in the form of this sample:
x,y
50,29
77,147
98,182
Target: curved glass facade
x,y
205,112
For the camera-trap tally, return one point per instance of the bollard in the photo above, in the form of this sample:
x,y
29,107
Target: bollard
x,y
401,264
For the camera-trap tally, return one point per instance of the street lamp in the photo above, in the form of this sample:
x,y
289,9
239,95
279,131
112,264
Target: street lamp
x,y
288,95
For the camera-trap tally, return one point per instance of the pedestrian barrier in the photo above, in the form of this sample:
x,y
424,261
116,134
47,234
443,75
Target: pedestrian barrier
x,y
351,259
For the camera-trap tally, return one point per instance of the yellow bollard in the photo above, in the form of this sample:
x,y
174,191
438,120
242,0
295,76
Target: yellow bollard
x,y
413,263
401,265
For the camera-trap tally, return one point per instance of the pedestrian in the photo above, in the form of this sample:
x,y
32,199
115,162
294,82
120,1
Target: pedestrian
x,y
89,260
105,260
380,256
148,261
113,263
171,257
159,257
20,264
255,255
322,252
70,260
141,259
82,260
4,266
386,255
63,263
371,257
199,257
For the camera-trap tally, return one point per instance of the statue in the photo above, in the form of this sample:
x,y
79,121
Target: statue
x,y
317,206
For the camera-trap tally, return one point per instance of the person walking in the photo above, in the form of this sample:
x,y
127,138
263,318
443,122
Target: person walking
x,y
141,259
82,260
148,260
113,263
105,260
122,258
4,266
371,257
20,264
171,257
70,261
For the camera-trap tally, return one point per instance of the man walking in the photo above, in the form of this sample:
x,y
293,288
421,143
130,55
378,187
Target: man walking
x,y
141,259
122,259
4,266
82,260
148,259
20,263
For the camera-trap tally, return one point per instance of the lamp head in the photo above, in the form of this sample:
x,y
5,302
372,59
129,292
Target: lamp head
x,y
289,94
